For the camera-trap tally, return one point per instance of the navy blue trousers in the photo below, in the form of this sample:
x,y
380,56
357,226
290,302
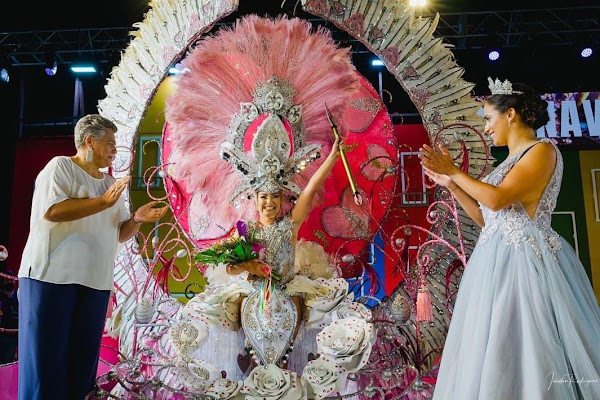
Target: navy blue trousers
x,y
60,329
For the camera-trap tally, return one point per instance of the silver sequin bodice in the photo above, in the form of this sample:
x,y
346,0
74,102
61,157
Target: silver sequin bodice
x,y
279,249
513,222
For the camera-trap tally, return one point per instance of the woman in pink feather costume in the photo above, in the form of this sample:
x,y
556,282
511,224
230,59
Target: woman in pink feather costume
x,y
247,123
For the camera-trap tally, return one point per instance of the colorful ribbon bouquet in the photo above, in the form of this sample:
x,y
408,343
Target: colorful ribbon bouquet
x,y
239,248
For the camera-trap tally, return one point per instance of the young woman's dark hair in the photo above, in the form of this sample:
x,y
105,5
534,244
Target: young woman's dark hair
x,y
527,103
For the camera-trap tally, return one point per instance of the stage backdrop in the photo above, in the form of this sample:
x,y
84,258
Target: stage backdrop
x,y
31,156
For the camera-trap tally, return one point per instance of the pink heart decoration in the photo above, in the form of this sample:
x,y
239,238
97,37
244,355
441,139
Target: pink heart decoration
x,y
346,220
362,112
378,163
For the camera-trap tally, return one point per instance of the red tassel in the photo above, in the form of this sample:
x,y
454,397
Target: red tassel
x,y
424,308
373,280
162,276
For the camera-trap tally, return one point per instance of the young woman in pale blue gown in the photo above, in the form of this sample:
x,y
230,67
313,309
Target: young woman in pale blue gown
x,y
526,323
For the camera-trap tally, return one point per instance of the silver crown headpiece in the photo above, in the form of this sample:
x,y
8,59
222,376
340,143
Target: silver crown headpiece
x,y
271,166
498,87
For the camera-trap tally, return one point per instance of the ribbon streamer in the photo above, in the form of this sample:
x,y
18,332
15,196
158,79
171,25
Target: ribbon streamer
x,y
265,300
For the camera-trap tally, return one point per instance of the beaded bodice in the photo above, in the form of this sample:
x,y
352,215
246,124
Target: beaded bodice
x,y
513,222
279,249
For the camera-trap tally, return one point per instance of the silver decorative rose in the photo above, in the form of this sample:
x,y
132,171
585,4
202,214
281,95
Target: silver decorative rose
x,y
272,383
348,342
224,389
218,305
358,310
324,376
333,293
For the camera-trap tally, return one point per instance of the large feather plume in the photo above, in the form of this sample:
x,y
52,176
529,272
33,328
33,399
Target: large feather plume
x,y
224,69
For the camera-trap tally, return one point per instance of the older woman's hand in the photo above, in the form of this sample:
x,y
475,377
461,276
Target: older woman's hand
x,y
113,193
149,213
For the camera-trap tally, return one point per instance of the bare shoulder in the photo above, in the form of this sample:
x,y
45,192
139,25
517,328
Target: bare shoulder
x,y
535,168
541,156
544,146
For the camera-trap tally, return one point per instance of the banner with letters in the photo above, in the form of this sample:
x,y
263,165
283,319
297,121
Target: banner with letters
x,y
572,115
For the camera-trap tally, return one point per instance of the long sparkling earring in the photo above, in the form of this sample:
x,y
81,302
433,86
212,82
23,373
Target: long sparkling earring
x,y
89,155
509,123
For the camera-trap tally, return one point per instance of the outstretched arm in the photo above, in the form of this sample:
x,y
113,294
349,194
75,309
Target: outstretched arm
x,y
144,214
73,209
304,203
524,183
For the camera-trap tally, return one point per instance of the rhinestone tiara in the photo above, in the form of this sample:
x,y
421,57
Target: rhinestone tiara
x,y
498,87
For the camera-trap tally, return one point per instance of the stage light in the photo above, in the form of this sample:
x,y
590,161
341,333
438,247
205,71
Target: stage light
x,y
51,64
4,66
494,55
4,75
51,69
376,62
83,69
585,44
417,3
586,51
492,42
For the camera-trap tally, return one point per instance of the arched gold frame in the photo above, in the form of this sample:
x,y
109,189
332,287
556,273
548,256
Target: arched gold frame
x,y
422,63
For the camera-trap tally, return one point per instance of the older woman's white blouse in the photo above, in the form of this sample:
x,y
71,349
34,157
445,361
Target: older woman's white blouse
x,y
82,251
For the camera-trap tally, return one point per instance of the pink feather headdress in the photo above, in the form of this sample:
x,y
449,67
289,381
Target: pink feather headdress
x,y
224,73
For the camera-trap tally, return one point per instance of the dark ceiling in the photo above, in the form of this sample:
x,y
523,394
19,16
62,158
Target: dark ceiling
x,y
34,104
539,38
43,14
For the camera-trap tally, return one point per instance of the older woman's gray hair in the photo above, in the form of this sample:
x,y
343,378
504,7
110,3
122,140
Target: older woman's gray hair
x,y
93,125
